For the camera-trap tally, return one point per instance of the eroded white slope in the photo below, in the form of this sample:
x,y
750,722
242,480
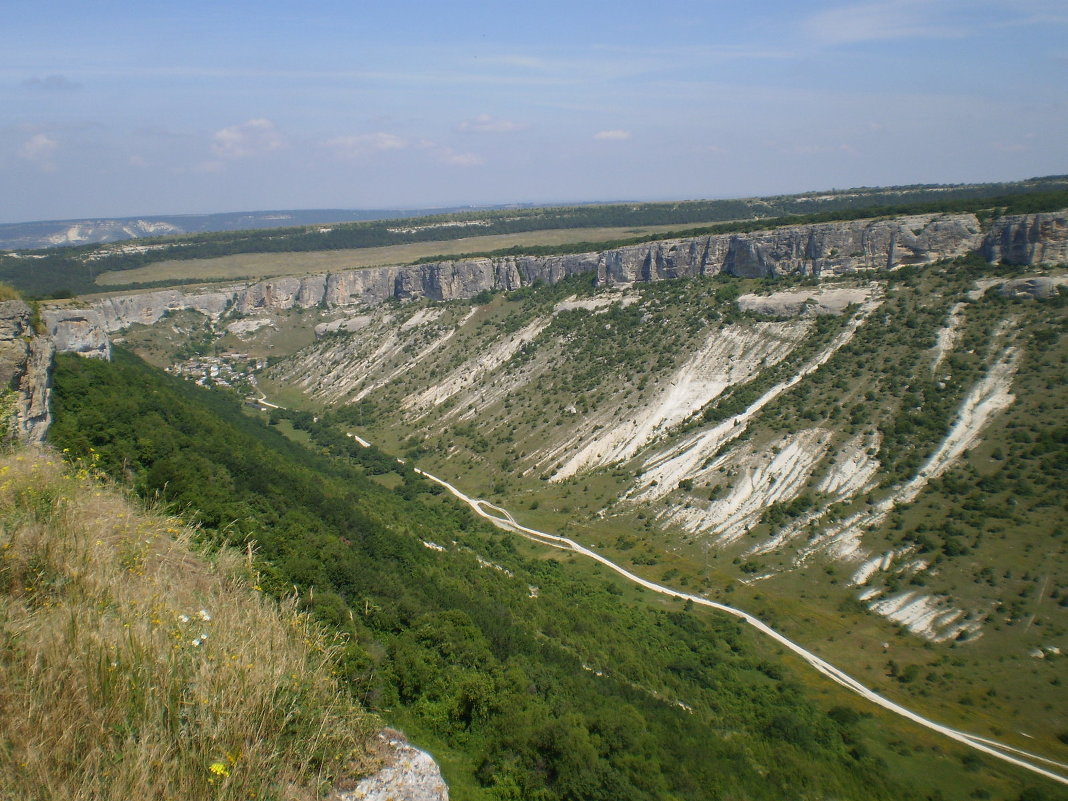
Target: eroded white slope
x,y
664,470
728,356
757,479
990,396
349,368
474,371
927,616
851,470
947,337
933,617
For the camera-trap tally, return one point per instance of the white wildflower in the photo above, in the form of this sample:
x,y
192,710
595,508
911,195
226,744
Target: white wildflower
x,y
204,615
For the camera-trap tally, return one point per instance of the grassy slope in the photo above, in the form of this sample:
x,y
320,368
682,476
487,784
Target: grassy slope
x,y
461,654
133,666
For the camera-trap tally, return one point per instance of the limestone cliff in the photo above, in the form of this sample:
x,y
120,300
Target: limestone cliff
x,y
1026,239
801,249
79,331
25,370
818,249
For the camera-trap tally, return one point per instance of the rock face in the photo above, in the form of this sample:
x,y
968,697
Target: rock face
x,y
25,370
407,775
799,249
79,331
122,311
1027,239
825,248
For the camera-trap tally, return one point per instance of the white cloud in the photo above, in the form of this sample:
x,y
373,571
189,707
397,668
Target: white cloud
x,y
39,149
252,138
816,149
350,147
485,123
614,135
883,20
449,156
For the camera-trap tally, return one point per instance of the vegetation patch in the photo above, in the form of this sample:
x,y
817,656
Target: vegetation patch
x,y
135,665
581,689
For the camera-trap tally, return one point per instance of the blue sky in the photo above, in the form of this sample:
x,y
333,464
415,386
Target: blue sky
x,y
115,108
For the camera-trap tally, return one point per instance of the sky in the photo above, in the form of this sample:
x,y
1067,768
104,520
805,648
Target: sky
x,y
117,108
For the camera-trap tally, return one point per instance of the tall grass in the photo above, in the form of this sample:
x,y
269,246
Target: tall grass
x,y
132,667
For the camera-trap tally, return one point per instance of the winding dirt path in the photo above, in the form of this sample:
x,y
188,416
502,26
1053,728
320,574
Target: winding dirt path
x,y
503,519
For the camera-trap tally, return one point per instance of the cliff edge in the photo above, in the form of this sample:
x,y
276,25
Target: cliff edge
x,y
25,372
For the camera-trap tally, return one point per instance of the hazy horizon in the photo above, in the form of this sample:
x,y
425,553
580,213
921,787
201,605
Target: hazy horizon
x,y
122,110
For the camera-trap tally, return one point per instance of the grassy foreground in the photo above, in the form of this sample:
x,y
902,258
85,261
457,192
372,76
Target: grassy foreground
x,y
131,666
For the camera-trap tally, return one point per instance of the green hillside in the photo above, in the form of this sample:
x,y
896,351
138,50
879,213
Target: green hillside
x,y
527,675
606,415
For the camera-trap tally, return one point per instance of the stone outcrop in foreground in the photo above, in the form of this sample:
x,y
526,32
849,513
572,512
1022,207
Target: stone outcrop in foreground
x,y
407,774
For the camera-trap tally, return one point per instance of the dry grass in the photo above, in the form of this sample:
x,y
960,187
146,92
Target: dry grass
x,y
131,667
268,265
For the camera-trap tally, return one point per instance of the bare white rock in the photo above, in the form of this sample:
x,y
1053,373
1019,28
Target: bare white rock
x,y
408,774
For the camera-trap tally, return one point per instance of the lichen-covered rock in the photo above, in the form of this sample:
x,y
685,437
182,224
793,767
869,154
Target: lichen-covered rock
x,y
407,774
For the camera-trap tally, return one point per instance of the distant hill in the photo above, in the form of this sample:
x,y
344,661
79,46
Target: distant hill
x,y
63,271
92,231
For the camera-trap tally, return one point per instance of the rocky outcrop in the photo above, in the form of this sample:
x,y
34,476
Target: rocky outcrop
x,y
408,774
801,302
1039,287
79,331
25,372
799,249
121,311
437,281
1026,239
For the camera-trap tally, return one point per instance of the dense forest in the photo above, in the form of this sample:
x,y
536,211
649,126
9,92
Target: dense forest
x,y
533,677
